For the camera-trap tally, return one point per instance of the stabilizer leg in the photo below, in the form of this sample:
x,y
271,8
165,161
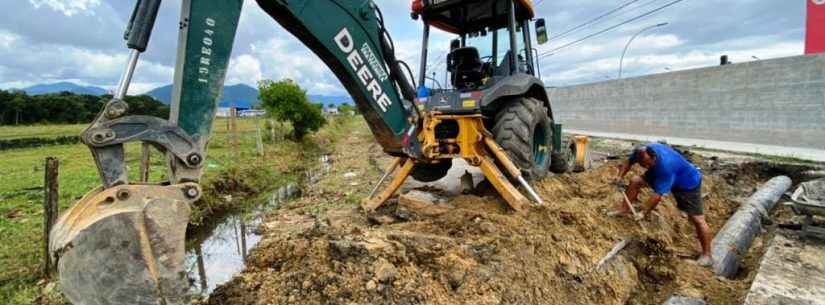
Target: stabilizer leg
x,y
374,202
511,168
502,185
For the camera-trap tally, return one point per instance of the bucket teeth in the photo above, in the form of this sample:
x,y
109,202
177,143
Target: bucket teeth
x,y
124,245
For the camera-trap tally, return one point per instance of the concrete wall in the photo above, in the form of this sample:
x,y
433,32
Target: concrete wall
x,y
775,102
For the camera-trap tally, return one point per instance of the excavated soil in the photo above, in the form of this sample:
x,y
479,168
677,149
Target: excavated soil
x,y
473,250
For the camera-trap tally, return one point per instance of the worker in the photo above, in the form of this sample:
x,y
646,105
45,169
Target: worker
x,y
668,172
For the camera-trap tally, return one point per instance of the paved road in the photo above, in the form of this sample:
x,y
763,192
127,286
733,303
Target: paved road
x,y
800,153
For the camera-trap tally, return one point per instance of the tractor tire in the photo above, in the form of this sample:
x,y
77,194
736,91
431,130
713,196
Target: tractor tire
x,y
559,163
524,130
429,172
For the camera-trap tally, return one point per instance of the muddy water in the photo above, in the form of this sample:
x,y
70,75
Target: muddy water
x,y
219,255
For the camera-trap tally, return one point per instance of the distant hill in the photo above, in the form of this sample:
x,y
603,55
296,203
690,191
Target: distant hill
x,y
64,86
239,92
245,96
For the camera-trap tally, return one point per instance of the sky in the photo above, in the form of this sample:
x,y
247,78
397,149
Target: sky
x,y
46,41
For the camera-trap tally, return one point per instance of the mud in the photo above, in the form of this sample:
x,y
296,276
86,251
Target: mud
x,y
481,253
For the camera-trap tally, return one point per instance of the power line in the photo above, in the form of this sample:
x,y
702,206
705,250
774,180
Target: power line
x,y
618,16
608,13
553,51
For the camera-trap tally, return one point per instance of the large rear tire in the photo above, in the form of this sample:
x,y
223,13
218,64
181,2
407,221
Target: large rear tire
x,y
524,130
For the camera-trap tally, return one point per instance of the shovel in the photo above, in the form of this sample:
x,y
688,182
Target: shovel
x,y
627,202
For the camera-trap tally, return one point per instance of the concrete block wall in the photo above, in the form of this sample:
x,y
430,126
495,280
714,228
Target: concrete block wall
x,y
774,102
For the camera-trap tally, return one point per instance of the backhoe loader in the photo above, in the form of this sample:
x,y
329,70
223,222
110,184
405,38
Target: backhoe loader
x,y
123,243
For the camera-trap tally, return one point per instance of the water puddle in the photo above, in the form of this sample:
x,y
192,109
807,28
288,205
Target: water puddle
x,y
219,256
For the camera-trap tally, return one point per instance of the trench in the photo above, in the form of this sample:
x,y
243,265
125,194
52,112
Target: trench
x,y
215,256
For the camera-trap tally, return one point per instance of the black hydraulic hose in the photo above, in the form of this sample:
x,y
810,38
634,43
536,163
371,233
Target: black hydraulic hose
x,y
409,71
407,87
141,23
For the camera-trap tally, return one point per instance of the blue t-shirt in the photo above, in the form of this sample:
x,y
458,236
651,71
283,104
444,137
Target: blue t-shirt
x,y
671,172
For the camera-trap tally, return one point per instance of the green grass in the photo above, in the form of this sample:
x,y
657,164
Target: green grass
x,y
40,131
21,180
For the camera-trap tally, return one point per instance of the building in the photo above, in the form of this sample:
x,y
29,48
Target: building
x,y
330,110
252,113
225,105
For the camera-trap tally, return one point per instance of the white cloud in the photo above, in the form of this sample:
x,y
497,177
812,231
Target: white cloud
x,y
636,65
23,61
244,69
658,41
68,7
285,57
7,39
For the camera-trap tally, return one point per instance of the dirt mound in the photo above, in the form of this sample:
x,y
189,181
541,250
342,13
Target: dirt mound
x,y
480,253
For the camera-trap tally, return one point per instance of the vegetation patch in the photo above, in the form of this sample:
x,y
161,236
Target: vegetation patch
x,y
230,183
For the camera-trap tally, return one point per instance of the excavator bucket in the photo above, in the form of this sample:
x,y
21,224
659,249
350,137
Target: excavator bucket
x,y
124,245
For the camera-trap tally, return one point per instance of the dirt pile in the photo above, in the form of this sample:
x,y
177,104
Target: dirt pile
x,y
480,253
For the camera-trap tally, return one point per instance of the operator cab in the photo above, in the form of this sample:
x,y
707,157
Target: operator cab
x,y
488,33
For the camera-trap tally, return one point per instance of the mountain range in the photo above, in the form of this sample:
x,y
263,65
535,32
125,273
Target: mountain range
x,y
64,86
240,95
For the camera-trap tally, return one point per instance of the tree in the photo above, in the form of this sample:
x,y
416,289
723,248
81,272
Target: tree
x,y
17,103
17,107
286,101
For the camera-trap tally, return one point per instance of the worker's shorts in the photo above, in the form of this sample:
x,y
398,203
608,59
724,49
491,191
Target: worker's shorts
x,y
689,202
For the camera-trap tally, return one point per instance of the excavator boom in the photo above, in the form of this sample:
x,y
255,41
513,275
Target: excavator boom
x,y
123,243
349,36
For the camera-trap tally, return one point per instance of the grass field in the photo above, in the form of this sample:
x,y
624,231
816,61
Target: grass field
x,y
40,131
21,181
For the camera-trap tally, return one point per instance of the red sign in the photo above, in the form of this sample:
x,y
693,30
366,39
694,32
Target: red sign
x,y
815,34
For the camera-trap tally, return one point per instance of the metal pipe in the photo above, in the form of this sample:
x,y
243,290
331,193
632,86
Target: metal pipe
x,y
389,171
495,48
528,44
511,27
530,190
126,78
621,60
422,71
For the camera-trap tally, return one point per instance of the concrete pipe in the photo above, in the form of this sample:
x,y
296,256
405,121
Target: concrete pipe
x,y
736,236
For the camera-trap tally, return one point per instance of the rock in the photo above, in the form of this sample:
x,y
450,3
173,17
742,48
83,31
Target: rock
x,y
381,219
350,175
423,203
306,284
371,285
385,272
456,278
678,300
49,288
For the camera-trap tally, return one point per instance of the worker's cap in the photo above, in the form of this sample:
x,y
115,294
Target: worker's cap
x,y
634,155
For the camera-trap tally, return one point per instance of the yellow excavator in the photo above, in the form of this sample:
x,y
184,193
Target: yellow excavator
x,y
123,243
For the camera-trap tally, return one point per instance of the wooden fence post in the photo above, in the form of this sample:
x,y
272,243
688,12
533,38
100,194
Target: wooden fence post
x,y
233,112
50,209
260,140
272,130
144,163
